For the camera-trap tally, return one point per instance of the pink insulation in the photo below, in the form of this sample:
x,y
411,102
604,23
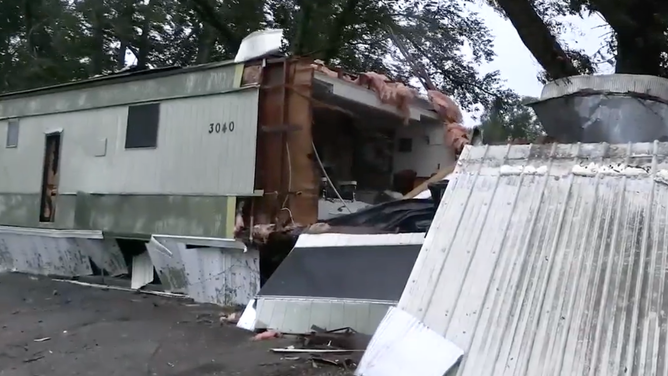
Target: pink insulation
x,y
400,96
391,93
456,136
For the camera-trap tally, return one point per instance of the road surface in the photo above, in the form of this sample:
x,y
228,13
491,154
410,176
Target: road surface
x,y
61,329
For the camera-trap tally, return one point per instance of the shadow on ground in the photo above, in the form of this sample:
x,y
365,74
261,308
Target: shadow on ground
x,y
60,329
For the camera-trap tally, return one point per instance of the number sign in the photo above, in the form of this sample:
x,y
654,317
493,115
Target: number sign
x,y
221,127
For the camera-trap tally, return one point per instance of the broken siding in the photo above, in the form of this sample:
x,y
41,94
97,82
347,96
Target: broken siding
x,y
209,270
535,266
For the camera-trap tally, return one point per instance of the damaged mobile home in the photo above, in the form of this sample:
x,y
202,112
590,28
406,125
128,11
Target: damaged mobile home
x,y
181,165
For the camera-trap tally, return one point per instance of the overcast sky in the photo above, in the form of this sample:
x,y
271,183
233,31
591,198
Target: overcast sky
x,y
517,65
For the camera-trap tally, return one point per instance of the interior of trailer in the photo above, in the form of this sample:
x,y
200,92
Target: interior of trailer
x,y
358,143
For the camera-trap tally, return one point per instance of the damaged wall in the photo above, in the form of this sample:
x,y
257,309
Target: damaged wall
x,y
427,155
285,168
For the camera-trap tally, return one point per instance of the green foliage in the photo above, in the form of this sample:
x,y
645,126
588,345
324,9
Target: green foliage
x,y
512,119
45,42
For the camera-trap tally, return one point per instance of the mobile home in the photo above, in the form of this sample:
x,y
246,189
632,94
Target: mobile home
x,y
175,151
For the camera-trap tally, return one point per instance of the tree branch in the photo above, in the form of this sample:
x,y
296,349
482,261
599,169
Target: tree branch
x,y
538,39
639,28
207,13
335,37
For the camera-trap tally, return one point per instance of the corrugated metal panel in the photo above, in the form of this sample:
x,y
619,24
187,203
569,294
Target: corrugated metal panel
x,y
550,260
187,160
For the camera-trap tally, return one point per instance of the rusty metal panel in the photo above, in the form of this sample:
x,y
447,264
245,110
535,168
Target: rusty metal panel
x,y
550,260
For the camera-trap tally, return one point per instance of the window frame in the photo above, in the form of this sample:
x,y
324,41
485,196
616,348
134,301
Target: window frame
x,y
138,119
17,125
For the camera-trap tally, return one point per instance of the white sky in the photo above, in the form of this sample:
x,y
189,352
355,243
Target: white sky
x,y
517,65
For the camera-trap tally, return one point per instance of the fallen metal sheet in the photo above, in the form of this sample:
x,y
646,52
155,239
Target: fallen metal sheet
x,y
45,255
166,258
549,260
55,252
142,271
105,253
248,317
296,315
209,270
337,280
84,234
408,347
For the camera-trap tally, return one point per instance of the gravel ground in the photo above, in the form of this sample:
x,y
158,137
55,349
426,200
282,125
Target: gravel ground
x,y
61,329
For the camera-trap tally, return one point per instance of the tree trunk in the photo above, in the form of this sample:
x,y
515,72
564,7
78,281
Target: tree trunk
x,y
144,39
335,37
639,32
538,39
98,53
205,43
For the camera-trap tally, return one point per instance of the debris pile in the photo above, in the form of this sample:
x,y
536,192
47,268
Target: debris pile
x,y
342,348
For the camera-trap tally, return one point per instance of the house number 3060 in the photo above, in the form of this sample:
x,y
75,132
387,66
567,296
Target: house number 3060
x,y
221,127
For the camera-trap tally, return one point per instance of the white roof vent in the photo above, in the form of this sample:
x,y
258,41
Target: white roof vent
x,y
259,43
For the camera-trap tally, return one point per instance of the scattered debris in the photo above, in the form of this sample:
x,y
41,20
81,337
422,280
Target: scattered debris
x,y
292,349
343,338
33,359
230,318
347,364
107,287
267,335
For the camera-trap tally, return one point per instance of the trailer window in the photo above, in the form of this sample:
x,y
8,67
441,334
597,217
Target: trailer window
x,y
142,127
12,133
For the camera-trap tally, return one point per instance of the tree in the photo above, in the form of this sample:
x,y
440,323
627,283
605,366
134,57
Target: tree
x,y
638,39
44,42
510,120
354,35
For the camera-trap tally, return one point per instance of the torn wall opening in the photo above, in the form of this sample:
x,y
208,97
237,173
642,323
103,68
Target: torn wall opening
x,y
368,149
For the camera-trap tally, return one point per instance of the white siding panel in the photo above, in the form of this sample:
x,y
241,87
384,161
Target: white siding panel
x,y
550,260
428,153
187,160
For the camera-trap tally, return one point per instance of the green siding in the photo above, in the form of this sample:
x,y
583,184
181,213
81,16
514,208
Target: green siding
x,y
125,214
